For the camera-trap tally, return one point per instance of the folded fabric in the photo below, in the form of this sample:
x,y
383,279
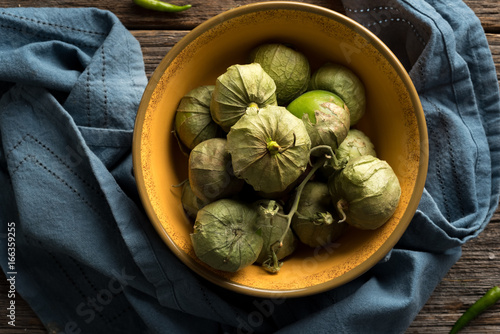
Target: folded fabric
x,y
89,261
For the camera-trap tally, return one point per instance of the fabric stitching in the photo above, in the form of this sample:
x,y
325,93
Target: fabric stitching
x,y
392,19
444,125
209,303
96,190
61,268
457,182
452,80
65,273
105,91
39,22
129,69
84,297
118,315
84,274
60,179
47,37
87,92
366,10
439,174
102,316
455,94
474,52
399,19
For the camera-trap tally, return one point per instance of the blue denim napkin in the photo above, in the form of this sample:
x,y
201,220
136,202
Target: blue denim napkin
x,y
87,259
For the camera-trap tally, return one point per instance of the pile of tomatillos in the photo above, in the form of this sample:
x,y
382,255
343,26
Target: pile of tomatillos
x,y
274,160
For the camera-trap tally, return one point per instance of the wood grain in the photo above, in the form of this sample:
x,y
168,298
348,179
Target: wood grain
x,y
477,270
494,43
134,17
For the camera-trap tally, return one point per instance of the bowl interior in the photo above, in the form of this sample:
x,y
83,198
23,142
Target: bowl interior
x,y
393,120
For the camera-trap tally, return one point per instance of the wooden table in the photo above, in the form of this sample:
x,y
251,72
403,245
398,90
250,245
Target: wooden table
x,y
476,271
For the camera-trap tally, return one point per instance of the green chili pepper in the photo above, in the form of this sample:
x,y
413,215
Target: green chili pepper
x,y
160,6
489,298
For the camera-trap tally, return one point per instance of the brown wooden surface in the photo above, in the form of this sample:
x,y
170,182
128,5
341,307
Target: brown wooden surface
x,y
476,271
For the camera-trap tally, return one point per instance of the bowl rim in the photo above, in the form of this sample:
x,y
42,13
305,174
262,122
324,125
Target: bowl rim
x,y
414,200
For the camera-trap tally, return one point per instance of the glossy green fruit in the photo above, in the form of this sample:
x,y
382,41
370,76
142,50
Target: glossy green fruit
x,y
342,81
325,116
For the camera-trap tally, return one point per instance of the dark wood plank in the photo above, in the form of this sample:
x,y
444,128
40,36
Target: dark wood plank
x,y
135,17
488,12
155,45
26,321
494,42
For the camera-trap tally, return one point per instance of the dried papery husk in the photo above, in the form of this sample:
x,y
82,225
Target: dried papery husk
x,y
342,81
240,87
210,171
225,235
366,191
190,203
288,68
193,121
269,149
325,116
356,144
273,224
316,223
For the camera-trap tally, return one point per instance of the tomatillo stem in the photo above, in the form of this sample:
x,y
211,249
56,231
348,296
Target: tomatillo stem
x,y
298,193
341,206
273,147
160,6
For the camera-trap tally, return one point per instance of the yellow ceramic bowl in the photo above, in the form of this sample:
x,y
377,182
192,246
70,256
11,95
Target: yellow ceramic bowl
x,y
394,120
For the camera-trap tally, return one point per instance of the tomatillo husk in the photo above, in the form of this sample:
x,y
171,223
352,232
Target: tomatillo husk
x,y
225,235
354,145
272,225
269,149
193,121
289,69
210,171
240,87
316,223
366,192
190,203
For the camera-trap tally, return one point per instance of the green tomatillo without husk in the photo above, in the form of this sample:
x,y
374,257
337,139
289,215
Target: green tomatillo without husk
x,y
366,192
225,235
342,81
269,148
325,116
240,87
288,67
